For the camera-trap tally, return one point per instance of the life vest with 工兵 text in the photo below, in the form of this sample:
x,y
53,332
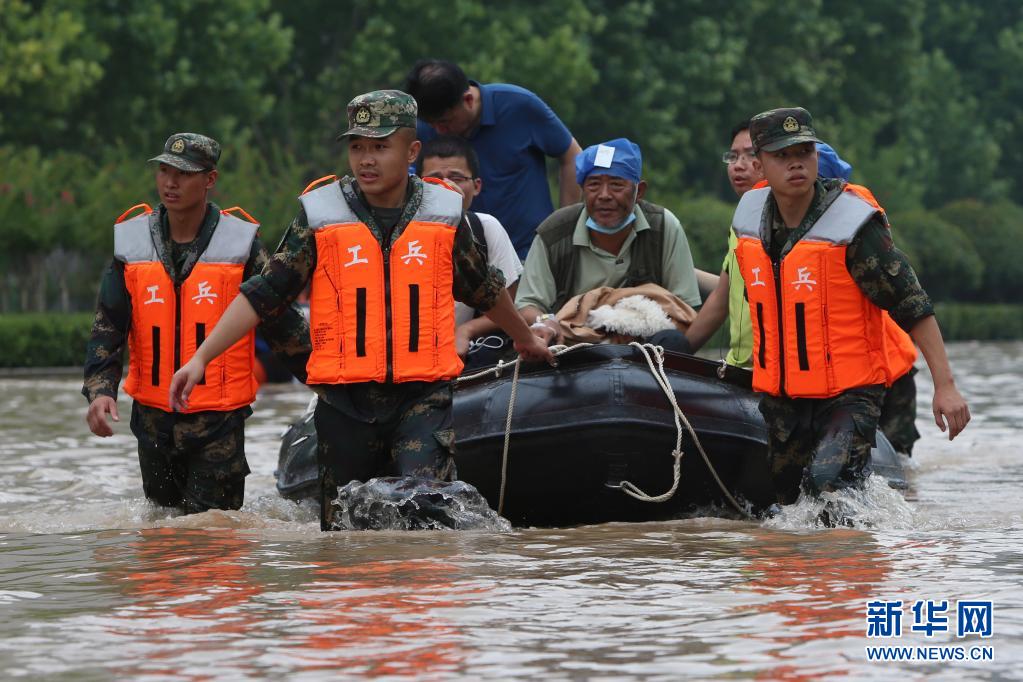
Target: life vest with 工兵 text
x,y
382,314
169,321
815,334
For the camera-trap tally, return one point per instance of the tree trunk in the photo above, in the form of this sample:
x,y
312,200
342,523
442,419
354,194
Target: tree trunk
x,y
38,270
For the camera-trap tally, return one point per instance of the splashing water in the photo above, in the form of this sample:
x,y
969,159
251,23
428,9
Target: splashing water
x,y
414,504
875,505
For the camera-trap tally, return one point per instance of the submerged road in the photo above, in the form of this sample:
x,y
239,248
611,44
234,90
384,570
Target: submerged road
x,y
95,583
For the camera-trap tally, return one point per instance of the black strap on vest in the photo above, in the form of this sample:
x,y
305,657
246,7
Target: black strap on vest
x,y
480,237
645,263
155,369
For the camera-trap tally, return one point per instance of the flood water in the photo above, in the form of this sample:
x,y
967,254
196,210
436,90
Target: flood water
x,y
96,584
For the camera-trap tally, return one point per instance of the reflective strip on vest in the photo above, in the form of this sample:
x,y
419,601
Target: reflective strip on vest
x,y
440,206
133,240
231,241
746,221
815,334
841,221
352,285
325,205
169,324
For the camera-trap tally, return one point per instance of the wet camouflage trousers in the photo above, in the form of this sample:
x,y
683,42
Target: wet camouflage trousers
x,y
192,461
898,413
820,444
414,440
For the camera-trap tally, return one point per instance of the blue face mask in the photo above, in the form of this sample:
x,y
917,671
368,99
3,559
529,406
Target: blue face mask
x,y
592,224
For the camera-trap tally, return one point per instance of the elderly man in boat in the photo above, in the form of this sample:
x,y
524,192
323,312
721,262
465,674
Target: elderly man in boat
x,y
613,268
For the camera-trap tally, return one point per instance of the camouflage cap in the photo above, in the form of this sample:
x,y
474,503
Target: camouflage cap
x,y
380,113
779,128
190,152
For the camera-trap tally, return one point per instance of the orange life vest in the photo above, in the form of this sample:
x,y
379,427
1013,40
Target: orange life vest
x,y
382,314
169,322
815,334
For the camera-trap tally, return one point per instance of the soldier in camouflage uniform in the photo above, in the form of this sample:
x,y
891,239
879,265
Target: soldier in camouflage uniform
x,y
194,461
371,428
822,444
898,413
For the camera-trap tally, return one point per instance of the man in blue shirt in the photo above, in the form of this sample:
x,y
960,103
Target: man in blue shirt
x,y
512,131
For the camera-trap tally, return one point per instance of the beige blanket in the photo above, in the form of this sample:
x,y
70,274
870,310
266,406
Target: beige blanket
x,y
574,314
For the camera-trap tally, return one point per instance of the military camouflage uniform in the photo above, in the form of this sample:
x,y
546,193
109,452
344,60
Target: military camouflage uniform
x,y
898,413
826,442
197,460
374,429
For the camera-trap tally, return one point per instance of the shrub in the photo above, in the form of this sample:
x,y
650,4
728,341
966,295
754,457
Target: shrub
x,y
996,231
979,321
944,258
44,339
706,222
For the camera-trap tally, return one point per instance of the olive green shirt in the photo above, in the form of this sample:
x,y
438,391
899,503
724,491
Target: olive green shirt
x,y
598,268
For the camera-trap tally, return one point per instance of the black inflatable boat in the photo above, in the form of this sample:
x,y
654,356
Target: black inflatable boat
x,y
600,418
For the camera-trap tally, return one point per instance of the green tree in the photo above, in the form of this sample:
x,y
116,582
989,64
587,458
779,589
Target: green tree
x,y
945,260
351,48
996,231
163,67
983,41
49,62
706,222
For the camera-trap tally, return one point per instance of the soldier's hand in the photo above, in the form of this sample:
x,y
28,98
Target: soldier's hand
x,y
96,417
183,382
534,349
949,406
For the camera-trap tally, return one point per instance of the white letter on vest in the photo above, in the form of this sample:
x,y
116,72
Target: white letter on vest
x,y
354,250
204,293
803,277
415,252
152,295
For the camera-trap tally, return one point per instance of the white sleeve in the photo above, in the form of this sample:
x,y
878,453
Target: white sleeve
x,y
500,252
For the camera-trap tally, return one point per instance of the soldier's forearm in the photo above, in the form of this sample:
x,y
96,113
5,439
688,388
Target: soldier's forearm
x,y
711,315
927,335
239,318
288,338
508,318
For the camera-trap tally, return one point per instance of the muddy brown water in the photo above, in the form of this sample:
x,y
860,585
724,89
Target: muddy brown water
x,y
95,583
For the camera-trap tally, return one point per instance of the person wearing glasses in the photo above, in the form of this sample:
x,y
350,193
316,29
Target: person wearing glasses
x,y
478,339
727,299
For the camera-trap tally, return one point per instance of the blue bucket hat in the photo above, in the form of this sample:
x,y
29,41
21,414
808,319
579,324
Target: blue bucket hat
x,y
830,164
621,158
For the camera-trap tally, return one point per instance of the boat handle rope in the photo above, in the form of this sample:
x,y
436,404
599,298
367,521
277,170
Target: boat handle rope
x,y
651,353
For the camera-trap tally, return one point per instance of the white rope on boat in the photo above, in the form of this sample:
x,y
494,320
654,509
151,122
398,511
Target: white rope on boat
x,y
650,353
654,356
496,371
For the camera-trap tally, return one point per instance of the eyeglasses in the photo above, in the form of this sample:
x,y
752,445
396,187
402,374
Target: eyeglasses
x,y
731,157
454,177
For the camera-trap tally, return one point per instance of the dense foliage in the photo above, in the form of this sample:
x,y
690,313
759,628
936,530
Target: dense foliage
x,y
44,339
921,97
